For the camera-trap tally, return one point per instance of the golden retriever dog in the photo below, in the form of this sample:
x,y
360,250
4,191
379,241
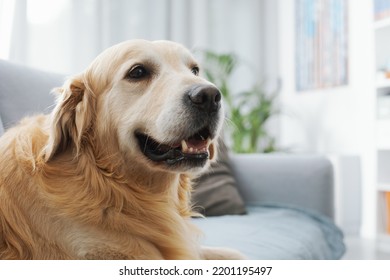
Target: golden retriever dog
x,y
107,174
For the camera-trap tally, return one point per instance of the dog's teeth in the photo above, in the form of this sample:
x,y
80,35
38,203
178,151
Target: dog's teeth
x,y
194,150
184,146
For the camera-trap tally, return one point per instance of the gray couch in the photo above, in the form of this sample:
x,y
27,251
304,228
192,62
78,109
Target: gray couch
x,y
288,198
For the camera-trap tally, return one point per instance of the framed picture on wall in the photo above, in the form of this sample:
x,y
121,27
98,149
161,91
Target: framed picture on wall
x,y
321,46
381,9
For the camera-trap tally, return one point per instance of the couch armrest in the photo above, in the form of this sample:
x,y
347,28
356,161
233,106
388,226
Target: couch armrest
x,y
303,181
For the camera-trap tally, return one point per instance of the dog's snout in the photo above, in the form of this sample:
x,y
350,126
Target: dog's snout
x,y
205,98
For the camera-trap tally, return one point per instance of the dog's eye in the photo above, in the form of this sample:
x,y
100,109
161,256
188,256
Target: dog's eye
x,y
195,70
138,72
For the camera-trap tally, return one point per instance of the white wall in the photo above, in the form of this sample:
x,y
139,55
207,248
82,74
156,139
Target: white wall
x,y
337,121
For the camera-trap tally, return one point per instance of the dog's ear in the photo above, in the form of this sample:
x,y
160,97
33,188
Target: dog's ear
x,y
72,117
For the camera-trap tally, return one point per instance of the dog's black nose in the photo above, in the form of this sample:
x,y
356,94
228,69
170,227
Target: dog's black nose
x,y
205,97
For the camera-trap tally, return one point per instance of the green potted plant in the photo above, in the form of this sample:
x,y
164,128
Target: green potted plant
x,y
247,111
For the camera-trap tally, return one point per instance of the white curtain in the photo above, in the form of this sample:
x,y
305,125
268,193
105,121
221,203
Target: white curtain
x,y
65,35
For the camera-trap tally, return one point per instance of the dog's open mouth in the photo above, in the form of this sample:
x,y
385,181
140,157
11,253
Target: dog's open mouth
x,y
194,150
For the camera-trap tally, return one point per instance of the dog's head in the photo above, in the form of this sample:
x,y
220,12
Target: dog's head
x,y
146,98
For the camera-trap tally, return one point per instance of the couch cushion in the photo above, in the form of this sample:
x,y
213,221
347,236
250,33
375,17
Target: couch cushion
x,y
24,91
275,232
216,192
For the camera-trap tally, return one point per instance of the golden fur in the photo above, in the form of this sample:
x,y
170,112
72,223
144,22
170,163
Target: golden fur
x,y
72,183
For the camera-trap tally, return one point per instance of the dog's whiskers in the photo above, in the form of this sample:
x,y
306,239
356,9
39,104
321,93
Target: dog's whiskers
x,y
230,122
146,143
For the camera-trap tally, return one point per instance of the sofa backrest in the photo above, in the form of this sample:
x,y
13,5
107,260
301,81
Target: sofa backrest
x,y
1,127
24,91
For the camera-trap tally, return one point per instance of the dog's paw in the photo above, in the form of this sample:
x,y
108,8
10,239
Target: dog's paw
x,y
219,253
